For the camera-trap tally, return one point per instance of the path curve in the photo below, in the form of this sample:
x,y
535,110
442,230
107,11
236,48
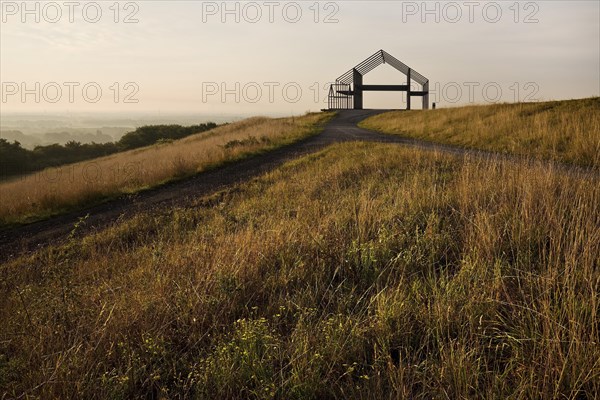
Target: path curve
x,y
342,128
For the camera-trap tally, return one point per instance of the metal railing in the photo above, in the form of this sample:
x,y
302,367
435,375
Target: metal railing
x,y
340,97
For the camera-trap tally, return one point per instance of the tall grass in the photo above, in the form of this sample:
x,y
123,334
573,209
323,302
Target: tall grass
x,y
567,131
363,271
55,190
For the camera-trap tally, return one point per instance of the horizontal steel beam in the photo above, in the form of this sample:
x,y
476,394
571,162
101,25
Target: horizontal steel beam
x,y
385,88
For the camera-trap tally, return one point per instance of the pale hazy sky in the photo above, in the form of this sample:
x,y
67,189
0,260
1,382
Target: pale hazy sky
x,y
179,55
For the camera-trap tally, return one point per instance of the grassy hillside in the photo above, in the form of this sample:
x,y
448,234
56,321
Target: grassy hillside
x,y
364,271
16,160
567,131
56,190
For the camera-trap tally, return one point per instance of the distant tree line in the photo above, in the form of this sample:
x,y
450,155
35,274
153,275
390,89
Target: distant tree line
x,y
15,160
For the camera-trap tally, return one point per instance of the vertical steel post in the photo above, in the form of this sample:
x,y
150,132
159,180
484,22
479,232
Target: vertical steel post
x,y
426,96
408,89
358,90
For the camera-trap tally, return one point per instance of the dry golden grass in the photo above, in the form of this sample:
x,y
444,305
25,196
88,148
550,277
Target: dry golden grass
x,y
567,131
58,189
363,271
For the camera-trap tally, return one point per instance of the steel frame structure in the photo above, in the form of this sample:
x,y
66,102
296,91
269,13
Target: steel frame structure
x,y
347,91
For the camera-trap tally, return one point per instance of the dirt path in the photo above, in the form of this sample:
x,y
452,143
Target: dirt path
x,y
342,128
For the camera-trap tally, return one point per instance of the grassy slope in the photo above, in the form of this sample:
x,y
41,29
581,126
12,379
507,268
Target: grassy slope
x,y
364,271
57,190
567,131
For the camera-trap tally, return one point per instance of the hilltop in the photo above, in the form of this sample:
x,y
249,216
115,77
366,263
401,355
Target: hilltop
x,y
357,265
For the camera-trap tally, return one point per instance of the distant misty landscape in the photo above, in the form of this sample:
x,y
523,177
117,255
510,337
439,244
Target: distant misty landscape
x,y
32,130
